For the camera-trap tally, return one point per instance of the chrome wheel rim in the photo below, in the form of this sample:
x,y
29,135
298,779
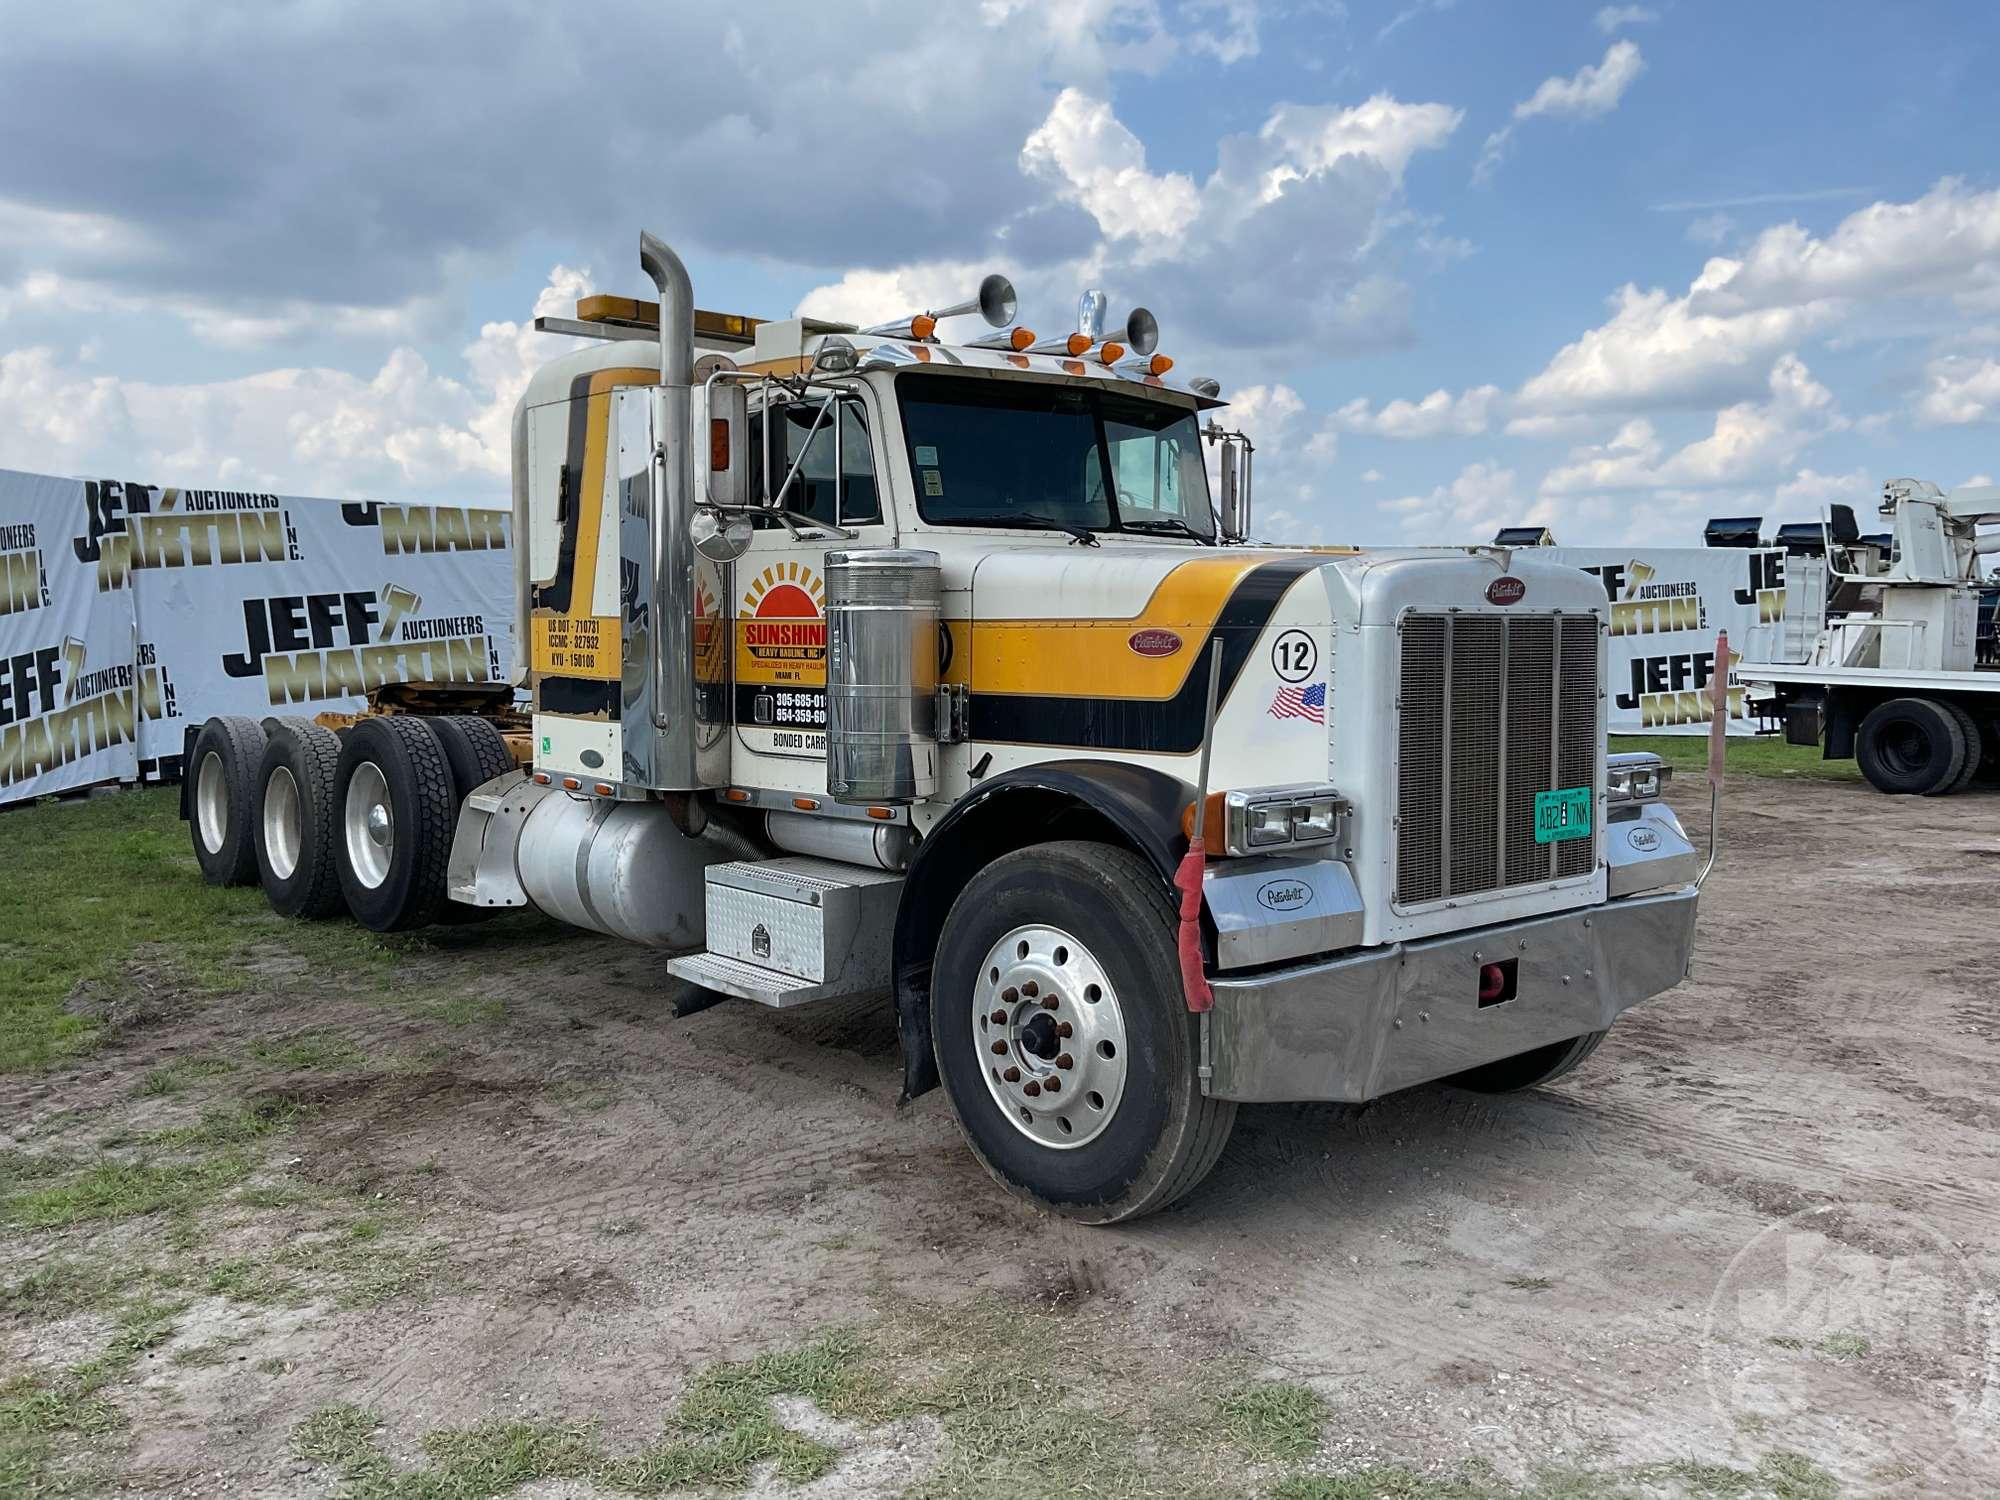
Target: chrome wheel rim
x,y
369,820
211,802
282,823
1050,1037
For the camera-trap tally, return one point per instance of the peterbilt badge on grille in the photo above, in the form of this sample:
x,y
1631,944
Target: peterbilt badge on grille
x,y
1506,589
1154,642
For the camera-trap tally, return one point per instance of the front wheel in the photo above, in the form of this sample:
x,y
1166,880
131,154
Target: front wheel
x,y
1525,1070
1063,1037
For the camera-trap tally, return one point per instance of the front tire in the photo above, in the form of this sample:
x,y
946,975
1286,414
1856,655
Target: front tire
x,y
1526,1070
1063,1037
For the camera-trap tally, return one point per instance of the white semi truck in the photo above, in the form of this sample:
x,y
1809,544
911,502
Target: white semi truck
x,y
864,661
1900,672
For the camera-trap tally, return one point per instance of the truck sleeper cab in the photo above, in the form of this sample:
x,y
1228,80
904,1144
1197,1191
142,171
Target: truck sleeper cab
x,y
862,662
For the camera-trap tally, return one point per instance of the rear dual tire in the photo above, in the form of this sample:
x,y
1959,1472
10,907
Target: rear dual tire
x,y
221,798
395,802
296,824
1918,747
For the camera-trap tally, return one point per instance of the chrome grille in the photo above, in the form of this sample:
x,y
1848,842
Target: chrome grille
x,y
1494,708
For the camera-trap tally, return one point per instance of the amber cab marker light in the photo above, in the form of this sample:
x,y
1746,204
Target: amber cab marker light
x,y
881,814
1078,342
1112,352
806,804
571,784
603,789
736,794
1159,364
1211,823
541,778
922,326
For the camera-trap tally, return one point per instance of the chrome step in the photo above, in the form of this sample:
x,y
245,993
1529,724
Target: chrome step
x,y
730,976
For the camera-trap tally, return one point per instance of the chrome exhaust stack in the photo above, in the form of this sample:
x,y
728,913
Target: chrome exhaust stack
x,y
674,760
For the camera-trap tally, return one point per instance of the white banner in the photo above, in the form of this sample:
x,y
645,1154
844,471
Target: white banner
x,y
1667,603
72,687
192,603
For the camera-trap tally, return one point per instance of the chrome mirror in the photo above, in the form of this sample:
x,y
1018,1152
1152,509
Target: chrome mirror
x,y
719,538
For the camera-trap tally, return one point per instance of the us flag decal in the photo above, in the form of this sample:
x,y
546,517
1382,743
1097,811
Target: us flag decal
x,y
1301,703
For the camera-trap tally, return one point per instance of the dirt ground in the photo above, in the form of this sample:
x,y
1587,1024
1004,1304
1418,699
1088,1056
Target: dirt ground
x,y
1754,1241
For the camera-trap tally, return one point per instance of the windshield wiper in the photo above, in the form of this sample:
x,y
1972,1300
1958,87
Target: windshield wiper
x,y
1166,526
1082,536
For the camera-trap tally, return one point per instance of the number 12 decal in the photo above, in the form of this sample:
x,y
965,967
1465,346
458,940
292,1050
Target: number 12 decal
x,y
1294,655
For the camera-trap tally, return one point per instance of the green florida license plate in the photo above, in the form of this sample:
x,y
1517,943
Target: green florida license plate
x,y
1562,815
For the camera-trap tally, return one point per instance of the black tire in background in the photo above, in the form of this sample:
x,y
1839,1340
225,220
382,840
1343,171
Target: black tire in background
x,y
1524,1070
1911,746
1975,749
1164,1133
476,754
394,813
294,822
474,750
222,775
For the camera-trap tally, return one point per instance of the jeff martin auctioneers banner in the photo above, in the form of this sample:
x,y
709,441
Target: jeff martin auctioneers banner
x,y
128,611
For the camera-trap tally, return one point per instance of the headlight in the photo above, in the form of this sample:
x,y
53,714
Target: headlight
x,y
1636,776
1258,819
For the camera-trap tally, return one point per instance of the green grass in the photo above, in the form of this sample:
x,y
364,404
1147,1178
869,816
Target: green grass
x,y
316,1050
123,1190
1273,1420
94,886
1765,755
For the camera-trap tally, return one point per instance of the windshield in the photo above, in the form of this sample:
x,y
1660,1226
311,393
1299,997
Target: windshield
x,y
1029,453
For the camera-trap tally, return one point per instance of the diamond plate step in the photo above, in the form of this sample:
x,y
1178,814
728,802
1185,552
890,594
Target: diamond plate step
x,y
732,976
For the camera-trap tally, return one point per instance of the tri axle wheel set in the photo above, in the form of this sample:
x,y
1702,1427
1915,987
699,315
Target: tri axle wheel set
x,y
360,820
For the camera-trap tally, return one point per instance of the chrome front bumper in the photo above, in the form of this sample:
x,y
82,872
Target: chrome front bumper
x,y
1359,1027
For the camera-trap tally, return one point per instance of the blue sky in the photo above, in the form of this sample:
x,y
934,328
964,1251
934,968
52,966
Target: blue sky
x,y
1461,264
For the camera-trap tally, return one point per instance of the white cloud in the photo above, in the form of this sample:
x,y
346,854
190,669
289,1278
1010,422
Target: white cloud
x,y
1591,91
1615,18
1946,243
1092,160
1483,498
1440,414
1750,441
1654,351
1960,389
1309,198
405,430
1808,491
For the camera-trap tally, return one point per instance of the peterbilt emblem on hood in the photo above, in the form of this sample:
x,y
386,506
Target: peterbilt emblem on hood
x,y
1284,895
1154,642
1506,589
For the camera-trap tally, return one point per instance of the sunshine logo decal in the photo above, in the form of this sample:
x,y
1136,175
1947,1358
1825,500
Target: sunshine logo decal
x,y
783,627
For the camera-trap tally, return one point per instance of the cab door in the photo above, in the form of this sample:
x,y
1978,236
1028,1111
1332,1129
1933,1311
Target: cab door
x,y
820,454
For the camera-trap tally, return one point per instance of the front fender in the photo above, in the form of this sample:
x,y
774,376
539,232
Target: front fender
x,y
1111,801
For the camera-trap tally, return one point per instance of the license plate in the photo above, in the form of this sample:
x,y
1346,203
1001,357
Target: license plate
x,y
1562,815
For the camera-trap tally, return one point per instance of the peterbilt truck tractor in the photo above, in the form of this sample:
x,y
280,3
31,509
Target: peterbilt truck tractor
x,y
869,662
